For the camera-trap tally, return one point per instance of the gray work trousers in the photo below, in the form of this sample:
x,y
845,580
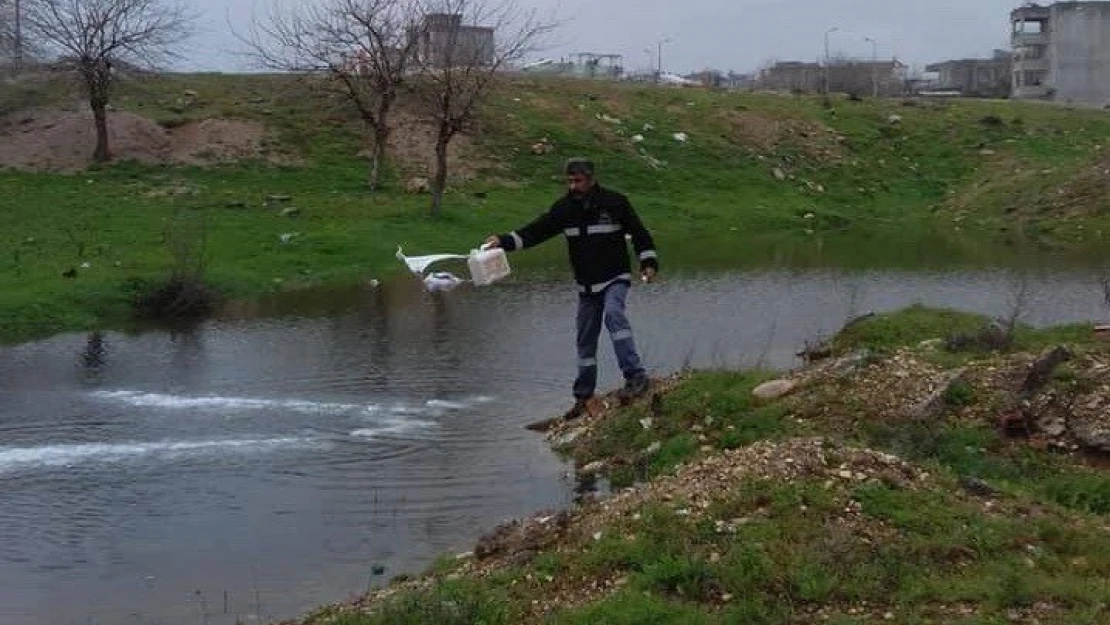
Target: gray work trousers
x,y
607,307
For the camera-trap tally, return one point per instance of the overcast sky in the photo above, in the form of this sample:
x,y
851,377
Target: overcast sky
x,y
741,35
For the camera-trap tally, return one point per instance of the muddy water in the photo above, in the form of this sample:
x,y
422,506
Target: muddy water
x,y
273,459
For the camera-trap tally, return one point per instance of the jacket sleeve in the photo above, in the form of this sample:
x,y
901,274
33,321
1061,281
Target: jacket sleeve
x,y
642,241
539,230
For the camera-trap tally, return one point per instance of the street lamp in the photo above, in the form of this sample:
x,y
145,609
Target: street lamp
x,y
659,58
18,37
874,66
827,33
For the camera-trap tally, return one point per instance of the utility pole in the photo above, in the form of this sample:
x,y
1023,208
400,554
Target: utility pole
x,y
659,59
874,67
827,33
18,37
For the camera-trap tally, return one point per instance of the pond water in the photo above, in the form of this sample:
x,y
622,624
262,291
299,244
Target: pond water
x,y
273,459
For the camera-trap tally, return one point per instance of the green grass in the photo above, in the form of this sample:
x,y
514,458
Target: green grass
x,y
862,192
916,324
711,408
790,560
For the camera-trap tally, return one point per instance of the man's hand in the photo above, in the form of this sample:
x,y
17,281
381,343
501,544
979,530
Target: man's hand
x,y
493,242
648,274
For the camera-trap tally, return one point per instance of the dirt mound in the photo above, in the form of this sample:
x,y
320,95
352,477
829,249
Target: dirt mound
x,y
1066,411
63,141
1085,194
412,147
765,135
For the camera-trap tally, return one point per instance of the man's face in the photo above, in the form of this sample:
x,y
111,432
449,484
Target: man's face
x,y
579,184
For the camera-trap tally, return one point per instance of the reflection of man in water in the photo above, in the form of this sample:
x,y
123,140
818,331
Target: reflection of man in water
x,y
595,220
93,355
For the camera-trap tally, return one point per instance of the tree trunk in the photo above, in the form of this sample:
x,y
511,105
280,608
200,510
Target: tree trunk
x,y
100,115
377,158
439,184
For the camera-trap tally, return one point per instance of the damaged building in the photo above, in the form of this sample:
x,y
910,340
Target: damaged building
x,y
979,78
446,42
1062,52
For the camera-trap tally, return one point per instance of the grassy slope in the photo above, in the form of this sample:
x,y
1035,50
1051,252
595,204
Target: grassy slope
x,y
802,545
861,191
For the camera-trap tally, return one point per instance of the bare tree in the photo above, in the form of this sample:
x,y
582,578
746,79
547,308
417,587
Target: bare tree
x,y
365,47
94,36
459,65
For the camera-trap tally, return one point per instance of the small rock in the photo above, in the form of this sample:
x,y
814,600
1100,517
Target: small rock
x,y
933,404
277,199
775,389
291,211
778,173
986,152
417,185
598,535
592,468
653,448
236,204
189,93
646,423
977,487
894,120
681,137
637,138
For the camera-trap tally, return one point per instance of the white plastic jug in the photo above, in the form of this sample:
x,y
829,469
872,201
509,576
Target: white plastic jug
x,y
487,266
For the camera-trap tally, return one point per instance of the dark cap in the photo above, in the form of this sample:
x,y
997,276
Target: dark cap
x,y
579,165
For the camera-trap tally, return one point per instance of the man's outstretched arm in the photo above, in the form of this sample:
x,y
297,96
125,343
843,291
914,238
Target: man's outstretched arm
x,y
539,230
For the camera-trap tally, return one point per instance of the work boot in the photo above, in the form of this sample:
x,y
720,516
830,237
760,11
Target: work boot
x,y
634,388
581,407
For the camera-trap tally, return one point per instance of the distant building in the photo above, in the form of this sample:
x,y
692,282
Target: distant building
x,y
446,42
791,76
580,65
707,78
888,78
882,78
1062,52
981,78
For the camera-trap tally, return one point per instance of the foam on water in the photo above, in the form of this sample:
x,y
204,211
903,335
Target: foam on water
x,y
66,455
180,402
393,427
217,402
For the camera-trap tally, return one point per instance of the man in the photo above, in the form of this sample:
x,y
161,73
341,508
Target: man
x,y
595,221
